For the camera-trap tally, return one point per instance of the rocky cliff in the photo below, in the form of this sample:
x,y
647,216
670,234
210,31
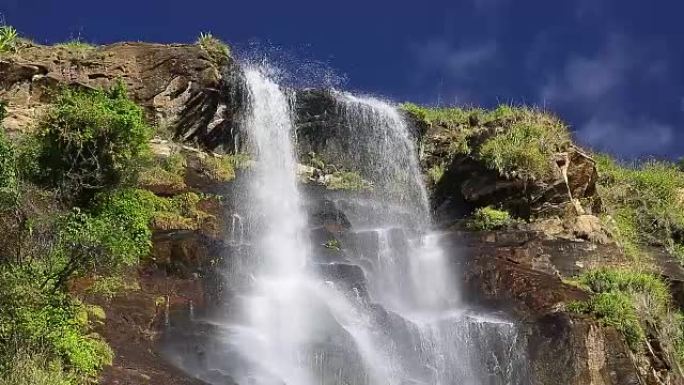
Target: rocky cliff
x,y
521,269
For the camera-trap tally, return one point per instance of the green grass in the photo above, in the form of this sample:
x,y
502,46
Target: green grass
x,y
348,180
217,49
436,172
645,204
165,171
523,142
489,218
633,302
76,44
333,244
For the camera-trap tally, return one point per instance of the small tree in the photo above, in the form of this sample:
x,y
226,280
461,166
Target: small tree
x,y
92,140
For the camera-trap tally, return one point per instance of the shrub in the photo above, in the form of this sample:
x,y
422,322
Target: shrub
x,y
213,46
44,320
645,202
91,141
113,235
9,39
488,218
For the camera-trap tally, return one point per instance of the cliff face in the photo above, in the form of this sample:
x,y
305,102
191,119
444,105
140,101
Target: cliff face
x,y
518,271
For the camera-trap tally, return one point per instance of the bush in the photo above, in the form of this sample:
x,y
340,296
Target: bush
x,y
217,50
35,318
90,141
488,218
645,201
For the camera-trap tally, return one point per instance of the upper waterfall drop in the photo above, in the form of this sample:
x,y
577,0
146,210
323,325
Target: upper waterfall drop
x,y
384,149
276,323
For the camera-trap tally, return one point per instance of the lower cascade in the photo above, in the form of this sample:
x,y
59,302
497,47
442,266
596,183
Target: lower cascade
x,y
363,293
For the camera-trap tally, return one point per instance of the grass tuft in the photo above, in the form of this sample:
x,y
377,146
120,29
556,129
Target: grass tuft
x,y
217,49
489,218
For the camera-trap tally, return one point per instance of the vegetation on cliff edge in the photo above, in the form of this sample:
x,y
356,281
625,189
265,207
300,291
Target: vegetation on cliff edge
x,y
638,304
645,203
515,141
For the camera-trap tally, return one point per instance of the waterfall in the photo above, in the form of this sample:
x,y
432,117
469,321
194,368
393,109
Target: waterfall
x,y
381,310
412,276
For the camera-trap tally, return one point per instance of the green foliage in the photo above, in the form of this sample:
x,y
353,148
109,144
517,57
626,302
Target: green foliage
x,y
615,309
9,39
217,50
333,244
8,169
221,168
436,173
91,141
348,180
27,367
76,44
646,203
33,317
109,286
526,148
523,142
489,218
633,302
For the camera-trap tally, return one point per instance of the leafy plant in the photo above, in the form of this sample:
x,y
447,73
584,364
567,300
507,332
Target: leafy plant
x,y
91,141
9,38
489,218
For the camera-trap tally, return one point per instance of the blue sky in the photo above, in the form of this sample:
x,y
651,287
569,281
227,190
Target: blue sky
x,y
613,69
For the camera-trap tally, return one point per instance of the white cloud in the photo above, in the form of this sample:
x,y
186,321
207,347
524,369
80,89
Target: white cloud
x,y
629,138
454,62
591,78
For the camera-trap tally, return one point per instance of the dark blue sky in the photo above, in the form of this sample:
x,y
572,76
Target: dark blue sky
x,y
612,69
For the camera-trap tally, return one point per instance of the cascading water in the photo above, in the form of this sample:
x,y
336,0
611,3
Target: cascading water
x,y
383,311
412,276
